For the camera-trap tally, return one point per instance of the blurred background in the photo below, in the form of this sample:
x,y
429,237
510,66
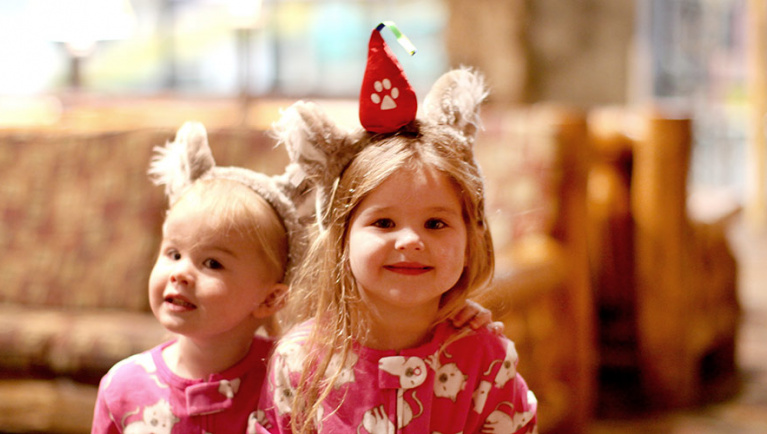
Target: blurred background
x,y
76,73
693,54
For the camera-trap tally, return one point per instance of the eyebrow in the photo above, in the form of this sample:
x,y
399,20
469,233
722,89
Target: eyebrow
x,y
446,210
433,209
201,245
223,249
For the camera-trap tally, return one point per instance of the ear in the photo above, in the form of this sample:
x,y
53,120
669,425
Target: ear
x,y
316,145
454,100
183,160
273,302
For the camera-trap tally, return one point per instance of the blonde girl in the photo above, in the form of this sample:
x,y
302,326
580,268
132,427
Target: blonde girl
x,y
231,241
403,244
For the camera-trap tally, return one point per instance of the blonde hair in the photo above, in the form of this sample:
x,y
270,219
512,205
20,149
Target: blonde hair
x,y
325,288
232,206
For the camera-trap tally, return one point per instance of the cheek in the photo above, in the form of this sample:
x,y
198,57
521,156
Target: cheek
x,y
364,251
357,259
156,287
456,254
157,278
456,246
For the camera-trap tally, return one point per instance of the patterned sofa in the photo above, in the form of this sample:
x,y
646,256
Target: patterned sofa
x,y
79,228
80,223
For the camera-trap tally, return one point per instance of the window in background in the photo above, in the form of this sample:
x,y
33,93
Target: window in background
x,y
195,47
695,58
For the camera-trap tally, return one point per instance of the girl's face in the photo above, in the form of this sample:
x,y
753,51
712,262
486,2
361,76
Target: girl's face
x,y
407,242
208,283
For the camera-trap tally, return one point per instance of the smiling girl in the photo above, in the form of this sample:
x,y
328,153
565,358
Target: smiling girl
x,y
404,243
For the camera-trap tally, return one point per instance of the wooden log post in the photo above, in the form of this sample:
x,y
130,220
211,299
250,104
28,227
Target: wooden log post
x,y
662,159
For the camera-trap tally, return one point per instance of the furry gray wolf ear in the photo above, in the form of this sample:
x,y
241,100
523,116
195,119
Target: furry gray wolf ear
x,y
182,161
320,147
454,101
188,158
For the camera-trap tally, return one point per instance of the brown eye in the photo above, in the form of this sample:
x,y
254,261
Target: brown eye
x,y
384,223
435,224
213,264
173,254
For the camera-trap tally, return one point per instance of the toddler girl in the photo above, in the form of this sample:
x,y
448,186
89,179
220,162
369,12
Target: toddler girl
x,y
230,241
403,243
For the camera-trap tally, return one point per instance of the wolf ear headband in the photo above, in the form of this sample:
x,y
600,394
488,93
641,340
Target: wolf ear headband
x,y
387,103
188,158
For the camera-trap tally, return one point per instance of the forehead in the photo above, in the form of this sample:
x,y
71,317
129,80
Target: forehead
x,y
200,227
415,188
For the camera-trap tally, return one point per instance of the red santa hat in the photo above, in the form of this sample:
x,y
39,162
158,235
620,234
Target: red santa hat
x,y
387,101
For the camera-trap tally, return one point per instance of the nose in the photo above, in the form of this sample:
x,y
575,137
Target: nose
x,y
181,273
407,239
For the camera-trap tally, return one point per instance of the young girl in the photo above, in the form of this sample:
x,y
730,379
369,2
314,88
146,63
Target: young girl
x,y
230,241
404,242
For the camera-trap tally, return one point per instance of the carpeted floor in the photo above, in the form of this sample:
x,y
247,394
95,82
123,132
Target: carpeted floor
x,y
745,412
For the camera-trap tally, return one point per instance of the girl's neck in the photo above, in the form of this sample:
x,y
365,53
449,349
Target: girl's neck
x,y
196,359
398,330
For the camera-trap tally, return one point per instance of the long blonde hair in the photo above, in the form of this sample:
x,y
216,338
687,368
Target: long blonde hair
x,y
325,288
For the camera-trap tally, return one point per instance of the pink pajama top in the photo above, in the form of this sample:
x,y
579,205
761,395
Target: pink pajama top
x,y
461,381
141,395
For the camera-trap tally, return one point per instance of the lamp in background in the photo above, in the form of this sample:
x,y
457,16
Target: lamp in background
x,y
80,24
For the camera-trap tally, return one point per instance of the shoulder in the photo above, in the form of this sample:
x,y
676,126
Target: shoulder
x,y
133,369
297,336
290,350
481,351
135,364
480,342
500,394
132,382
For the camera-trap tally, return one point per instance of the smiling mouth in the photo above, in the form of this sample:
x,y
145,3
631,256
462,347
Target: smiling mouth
x,y
408,268
180,303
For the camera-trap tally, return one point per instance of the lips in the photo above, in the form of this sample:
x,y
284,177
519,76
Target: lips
x,y
179,303
408,268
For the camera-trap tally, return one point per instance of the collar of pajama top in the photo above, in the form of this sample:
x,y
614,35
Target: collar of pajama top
x,y
215,393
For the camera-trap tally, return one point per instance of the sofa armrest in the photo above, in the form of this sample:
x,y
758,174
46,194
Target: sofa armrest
x,y
82,344
529,268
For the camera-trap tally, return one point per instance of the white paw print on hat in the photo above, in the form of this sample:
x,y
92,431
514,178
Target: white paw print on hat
x,y
387,102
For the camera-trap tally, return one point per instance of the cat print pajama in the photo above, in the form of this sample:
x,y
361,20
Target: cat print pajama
x,y
461,381
141,395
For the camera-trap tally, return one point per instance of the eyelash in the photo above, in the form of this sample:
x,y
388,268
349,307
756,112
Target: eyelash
x,y
173,254
429,224
383,223
211,263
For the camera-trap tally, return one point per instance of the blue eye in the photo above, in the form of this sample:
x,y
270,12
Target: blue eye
x,y
384,223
